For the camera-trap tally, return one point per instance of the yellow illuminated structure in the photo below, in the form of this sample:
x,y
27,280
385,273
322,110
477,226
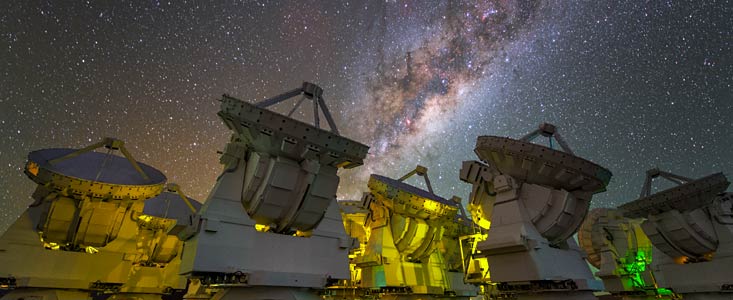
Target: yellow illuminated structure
x,y
89,232
354,215
409,243
480,209
453,248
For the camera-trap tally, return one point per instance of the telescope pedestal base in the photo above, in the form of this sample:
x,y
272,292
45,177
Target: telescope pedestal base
x,y
267,293
228,243
133,296
422,297
643,297
706,280
46,294
708,296
518,253
57,274
558,295
703,280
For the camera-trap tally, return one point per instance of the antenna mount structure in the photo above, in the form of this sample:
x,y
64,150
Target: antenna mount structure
x,y
309,91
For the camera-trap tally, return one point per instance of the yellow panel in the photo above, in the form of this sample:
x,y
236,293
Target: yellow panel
x,y
166,249
61,216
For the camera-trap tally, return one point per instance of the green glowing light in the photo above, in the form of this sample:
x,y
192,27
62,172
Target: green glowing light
x,y
634,264
664,292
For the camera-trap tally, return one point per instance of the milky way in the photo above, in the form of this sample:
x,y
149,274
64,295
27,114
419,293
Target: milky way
x,y
423,84
631,84
415,94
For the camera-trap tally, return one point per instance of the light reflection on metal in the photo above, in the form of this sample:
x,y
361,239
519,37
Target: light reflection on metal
x,y
410,240
89,213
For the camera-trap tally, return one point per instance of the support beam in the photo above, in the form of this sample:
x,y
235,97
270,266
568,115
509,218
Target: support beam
x,y
310,91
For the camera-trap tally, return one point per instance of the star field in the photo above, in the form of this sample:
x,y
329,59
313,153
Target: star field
x,y
632,85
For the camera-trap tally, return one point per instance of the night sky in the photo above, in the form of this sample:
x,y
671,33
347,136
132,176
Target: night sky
x,y
631,85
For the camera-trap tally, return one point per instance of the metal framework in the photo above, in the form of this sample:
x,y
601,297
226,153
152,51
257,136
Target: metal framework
x,y
420,171
111,144
550,131
646,190
175,188
310,91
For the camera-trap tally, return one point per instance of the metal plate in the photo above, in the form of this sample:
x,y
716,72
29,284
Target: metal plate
x,y
406,188
408,200
538,164
270,132
684,197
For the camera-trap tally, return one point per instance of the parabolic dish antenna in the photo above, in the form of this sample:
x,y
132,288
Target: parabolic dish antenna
x,y
542,165
95,174
688,195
